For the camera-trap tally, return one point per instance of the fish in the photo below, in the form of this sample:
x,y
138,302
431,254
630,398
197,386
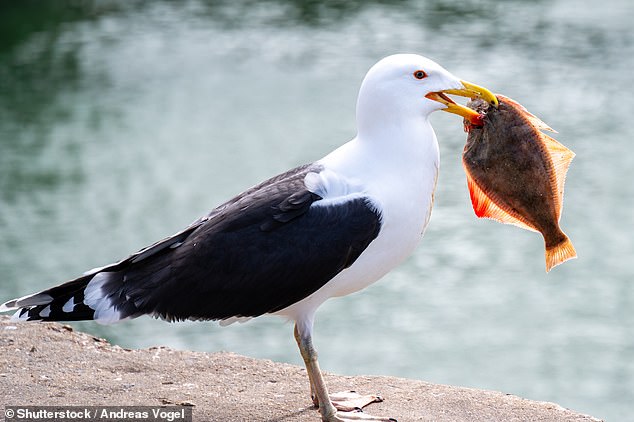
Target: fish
x,y
516,173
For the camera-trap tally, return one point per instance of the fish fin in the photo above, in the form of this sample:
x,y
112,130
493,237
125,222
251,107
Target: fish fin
x,y
534,120
484,207
559,254
561,158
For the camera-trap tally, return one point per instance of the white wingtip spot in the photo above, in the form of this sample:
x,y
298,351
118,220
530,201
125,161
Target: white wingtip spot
x,y
45,312
16,317
95,298
69,306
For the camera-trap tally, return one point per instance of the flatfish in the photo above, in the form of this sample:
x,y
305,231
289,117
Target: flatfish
x,y
516,173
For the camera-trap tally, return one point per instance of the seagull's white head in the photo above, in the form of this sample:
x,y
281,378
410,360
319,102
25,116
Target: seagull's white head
x,y
406,88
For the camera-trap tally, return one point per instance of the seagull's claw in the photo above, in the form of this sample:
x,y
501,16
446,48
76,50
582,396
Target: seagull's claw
x,y
349,405
351,401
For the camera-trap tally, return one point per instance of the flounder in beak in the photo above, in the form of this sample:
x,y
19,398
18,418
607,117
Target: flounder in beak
x,y
516,173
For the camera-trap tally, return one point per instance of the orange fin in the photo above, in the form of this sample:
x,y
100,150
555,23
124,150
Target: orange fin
x,y
560,254
534,120
484,207
561,158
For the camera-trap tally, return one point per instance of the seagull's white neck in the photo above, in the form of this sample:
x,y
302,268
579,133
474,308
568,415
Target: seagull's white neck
x,y
403,154
381,111
395,132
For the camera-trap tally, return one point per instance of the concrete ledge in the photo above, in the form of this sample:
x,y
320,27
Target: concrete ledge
x,y
50,364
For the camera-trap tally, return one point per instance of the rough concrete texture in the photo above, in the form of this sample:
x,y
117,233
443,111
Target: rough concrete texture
x,y
50,364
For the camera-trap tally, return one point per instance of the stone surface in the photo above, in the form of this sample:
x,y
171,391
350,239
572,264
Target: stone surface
x,y
50,364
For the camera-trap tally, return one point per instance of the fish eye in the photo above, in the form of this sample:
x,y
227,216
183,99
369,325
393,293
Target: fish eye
x,y
420,74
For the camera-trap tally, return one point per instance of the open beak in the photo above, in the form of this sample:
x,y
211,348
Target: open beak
x,y
470,90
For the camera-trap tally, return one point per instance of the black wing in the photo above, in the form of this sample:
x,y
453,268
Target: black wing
x,y
257,253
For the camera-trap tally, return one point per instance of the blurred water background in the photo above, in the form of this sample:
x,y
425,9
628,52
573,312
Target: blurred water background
x,y
123,121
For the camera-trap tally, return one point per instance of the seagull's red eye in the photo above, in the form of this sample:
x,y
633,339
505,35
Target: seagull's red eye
x,y
420,74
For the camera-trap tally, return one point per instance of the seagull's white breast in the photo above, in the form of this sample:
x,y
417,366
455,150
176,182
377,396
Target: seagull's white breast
x,y
401,186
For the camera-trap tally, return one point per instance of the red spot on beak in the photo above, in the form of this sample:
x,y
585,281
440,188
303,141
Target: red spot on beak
x,y
474,121
478,120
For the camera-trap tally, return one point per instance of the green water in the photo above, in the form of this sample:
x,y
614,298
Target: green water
x,y
121,122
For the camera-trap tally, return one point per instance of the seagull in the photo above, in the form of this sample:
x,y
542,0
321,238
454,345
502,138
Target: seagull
x,y
283,247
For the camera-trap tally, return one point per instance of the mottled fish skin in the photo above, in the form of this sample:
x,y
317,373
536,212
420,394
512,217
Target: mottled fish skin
x,y
516,173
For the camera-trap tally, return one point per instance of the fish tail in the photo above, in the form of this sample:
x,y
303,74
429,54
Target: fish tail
x,y
560,253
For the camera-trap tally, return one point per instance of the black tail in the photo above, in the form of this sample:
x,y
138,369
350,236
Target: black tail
x,y
92,296
59,303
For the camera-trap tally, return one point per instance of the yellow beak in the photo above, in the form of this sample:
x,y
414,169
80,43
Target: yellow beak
x,y
470,90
